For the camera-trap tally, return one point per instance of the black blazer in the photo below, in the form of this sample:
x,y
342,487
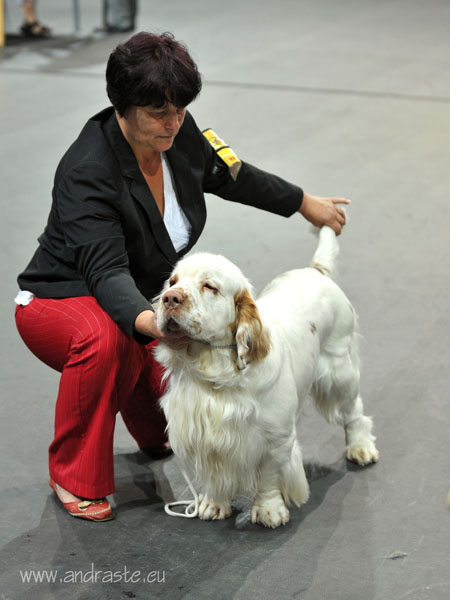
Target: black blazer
x,y
105,236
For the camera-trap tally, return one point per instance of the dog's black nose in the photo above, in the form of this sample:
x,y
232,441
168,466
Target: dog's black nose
x,y
173,299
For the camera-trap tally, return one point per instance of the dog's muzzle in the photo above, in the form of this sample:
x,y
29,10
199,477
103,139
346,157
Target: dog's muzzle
x,y
172,301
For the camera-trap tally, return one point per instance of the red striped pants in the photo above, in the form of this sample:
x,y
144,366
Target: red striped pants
x,y
103,371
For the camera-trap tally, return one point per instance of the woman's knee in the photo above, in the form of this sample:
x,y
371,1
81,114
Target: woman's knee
x,y
69,330
103,338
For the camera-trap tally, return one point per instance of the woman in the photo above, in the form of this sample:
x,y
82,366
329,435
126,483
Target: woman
x,y
128,202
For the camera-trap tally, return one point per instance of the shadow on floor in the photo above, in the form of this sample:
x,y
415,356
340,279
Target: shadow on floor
x,y
64,51
102,560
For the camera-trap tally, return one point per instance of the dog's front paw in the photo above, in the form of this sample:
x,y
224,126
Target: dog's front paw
x,y
210,511
270,514
363,453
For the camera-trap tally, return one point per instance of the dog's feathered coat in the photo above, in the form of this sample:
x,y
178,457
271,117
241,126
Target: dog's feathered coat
x,y
235,394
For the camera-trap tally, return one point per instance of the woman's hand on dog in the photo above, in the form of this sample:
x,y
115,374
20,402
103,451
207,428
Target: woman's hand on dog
x,y
324,211
145,323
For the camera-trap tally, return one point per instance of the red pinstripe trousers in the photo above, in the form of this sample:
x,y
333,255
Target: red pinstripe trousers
x,y
103,371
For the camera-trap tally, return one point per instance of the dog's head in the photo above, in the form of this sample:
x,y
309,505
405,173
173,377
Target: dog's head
x,y
208,297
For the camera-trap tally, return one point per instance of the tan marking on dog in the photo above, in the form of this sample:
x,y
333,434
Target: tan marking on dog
x,y
320,268
247,312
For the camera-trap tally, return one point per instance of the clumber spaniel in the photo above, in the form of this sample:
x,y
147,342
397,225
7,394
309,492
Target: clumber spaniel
x,y
235,394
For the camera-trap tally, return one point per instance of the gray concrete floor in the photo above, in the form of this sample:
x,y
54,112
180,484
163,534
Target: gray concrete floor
x,y
344,98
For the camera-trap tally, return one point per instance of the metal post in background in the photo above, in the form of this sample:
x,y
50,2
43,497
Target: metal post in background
x,y
76,15
2,23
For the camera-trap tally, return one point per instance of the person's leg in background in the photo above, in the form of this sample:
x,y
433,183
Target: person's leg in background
x,y
31,26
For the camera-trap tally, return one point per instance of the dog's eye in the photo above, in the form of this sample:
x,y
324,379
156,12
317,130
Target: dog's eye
x,y
210,287
172,281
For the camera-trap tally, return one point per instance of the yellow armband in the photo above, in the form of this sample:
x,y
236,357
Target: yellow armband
x,y
224,151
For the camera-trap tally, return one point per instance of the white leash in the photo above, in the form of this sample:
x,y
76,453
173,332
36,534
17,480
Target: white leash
x,y
192,506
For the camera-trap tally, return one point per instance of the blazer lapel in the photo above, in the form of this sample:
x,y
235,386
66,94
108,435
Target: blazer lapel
x,y
139,188
141,192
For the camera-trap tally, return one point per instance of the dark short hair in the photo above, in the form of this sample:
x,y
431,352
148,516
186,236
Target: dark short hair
x,y
151,70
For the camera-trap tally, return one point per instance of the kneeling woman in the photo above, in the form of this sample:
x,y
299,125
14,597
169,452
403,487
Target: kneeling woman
x,y
127,204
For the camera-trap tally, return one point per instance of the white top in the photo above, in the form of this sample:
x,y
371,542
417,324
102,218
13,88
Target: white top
x,y
177,225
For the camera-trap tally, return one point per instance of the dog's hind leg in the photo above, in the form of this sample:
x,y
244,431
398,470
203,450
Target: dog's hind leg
x,y
360,442
336,394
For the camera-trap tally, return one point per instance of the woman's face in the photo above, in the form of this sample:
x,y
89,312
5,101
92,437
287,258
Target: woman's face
x,y
153,128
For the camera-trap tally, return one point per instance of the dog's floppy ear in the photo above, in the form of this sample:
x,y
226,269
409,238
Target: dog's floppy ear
x,y
252,340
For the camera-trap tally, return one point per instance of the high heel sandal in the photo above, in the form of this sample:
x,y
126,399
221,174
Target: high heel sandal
x,y
35,30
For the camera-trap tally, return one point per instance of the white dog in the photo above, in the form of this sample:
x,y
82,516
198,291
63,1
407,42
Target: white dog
x,y
235,394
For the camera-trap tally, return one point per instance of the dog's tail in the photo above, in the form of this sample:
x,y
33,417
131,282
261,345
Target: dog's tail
x,y
325,256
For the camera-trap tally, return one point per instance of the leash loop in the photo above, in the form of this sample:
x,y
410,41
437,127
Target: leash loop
x,y
191,506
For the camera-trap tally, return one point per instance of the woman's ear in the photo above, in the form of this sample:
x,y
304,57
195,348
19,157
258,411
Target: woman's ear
x,y
252,340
